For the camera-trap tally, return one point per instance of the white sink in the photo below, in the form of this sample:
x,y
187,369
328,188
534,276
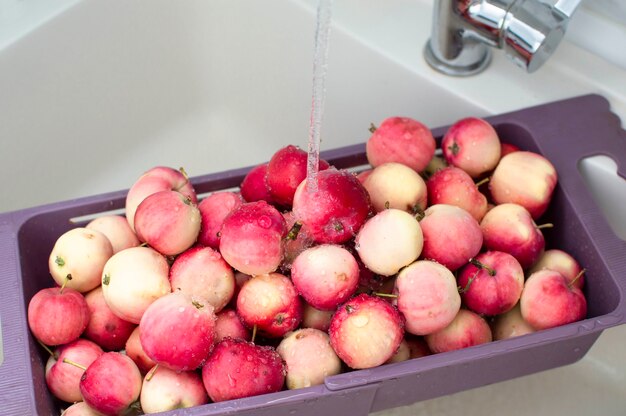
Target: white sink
x,y
105,90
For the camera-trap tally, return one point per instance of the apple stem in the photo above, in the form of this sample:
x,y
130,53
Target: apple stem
x,y
385,295
151,372
483,266
467,285
184,172
546,225
372,128
67,279
482,182
45,347
75,364
253,334
293,232
580,273
418,213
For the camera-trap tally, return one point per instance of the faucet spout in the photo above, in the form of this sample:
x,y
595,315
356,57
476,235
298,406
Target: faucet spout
x,y
464,31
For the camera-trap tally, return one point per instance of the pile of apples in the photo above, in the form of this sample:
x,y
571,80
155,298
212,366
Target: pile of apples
x,y
293,279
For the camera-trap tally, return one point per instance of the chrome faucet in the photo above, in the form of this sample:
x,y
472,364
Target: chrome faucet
x,y
464,31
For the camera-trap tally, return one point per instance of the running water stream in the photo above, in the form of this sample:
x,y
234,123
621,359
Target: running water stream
x,y
320,66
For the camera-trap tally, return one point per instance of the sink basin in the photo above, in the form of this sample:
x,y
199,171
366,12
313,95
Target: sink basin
x,y
105,90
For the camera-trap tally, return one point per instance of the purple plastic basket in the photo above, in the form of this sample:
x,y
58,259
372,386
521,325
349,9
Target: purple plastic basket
x,y
565,132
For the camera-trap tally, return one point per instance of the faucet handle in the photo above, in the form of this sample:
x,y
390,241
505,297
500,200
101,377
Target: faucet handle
x,y
532,30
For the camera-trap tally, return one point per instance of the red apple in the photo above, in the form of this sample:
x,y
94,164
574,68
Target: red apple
x,y
237,369
550,300
466,330
159,178
511,229
563,263
271,302
252,238
316,318
336,210
491,283
190,327
213,210
472,144
229,324
57,316
453,186
111,384
136,352
451,235
254,187
67,365
285,170
168,221
402,140
105,328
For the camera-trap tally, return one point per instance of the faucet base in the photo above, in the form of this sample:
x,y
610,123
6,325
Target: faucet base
x,y
455,68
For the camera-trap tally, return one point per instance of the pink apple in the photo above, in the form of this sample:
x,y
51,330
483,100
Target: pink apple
x,y
511,229
297,240
316,318
417,346
309,358
473,145
168,221
388,241
237,369
136,352
550,300
77,258
105,328
402,140
491,283
190,327
451,235
271,302
252,238
159,178
285,170
427,296
453,186
117,230
506,148
166,389
57,316
325,275
510,324
466,330
132,279
111,384
254,187
80,409
213,210
336,210
202,272
394,185
563,263
65,368
229,324
366,331
524,178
